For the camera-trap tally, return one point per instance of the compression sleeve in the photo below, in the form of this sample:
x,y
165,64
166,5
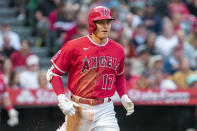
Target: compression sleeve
x,y
57,85
120,85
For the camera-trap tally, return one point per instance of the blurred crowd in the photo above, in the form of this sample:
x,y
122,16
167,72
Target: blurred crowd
x,y
159,38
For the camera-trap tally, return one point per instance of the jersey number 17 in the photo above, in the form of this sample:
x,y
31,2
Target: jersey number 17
x,y
108,81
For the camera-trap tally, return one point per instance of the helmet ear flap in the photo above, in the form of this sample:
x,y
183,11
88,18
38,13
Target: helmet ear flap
x,y
95,27
92,26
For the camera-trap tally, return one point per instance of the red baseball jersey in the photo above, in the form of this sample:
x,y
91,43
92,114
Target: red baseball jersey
x,y
92,68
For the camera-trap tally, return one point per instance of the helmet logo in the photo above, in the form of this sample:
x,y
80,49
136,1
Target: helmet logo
x,y
106,12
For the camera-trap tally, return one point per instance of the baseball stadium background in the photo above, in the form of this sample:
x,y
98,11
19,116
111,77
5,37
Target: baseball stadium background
x,y
160,41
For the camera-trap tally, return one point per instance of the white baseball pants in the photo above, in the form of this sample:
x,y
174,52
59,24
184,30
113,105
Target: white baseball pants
x,y
92,118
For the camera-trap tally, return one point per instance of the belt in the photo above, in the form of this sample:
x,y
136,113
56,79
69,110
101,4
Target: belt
x,y
92,102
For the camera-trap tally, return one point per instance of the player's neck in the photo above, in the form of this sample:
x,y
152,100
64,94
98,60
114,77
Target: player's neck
x,y
97,39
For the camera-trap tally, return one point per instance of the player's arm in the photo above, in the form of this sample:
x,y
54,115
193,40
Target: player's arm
x,y
60,63
120,88
12,113
66,106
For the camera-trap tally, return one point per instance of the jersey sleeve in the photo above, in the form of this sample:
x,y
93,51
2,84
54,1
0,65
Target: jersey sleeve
x,y
120,70
62,60
120,78
120,85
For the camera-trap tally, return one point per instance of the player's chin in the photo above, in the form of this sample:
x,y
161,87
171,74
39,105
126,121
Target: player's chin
x,y
105,35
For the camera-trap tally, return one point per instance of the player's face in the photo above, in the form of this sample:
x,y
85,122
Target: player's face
x,y
103,28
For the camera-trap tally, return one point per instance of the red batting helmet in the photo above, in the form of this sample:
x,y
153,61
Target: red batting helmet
x,y
98,13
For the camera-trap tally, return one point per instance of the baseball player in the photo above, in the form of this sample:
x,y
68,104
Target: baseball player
x,y
95,66
5,100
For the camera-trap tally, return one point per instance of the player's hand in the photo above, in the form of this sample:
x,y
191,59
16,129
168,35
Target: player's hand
x,y
13,117
66,106
128,104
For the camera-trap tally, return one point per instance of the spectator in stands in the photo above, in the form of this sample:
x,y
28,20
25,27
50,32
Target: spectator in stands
x,y
20,6
7,69
130,23
139,35
178,6
140,62
5,65
156,63
30,8
187,48
14,80
131,79
79,27
14,37
172,63
117,27
81,23
44,9
145,80
42,81
165,43
150,43
53,15
65,24
152,21
18,58
116,33
192,81
128,50
7,47
192,38
29,77
129,26
176,22
42,13
180,77
156,67
161,81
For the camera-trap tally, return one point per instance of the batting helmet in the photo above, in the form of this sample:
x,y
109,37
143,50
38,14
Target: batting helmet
x,y
98,13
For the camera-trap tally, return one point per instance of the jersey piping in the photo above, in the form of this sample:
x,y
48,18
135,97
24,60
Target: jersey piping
x,y
120,73
57,67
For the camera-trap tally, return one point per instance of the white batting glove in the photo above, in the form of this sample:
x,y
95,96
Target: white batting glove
x,y
128,104
13,117
66,106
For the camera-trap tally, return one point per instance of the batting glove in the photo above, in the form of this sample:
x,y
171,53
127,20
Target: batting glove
x,y
128,104
13,117
66,106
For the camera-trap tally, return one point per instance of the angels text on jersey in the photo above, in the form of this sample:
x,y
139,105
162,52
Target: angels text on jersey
x,y
102,61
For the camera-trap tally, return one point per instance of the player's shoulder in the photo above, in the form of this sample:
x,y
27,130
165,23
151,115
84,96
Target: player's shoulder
x,y
75,42
116,45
